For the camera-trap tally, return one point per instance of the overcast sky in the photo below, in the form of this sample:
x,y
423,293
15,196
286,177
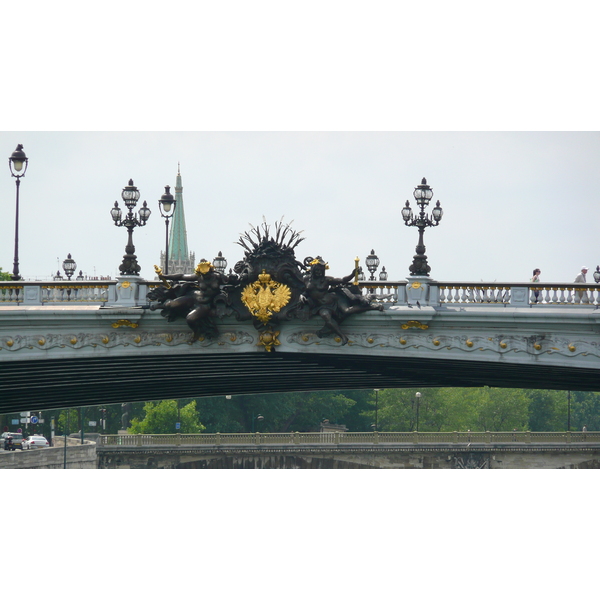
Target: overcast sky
x,y
512,201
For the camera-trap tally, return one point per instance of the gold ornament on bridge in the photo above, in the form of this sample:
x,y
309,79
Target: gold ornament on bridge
x,y
159,272
415,324
125,323
268,339
265,297
204,267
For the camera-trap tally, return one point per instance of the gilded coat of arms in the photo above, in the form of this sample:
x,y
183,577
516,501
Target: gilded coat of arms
x,y
265,297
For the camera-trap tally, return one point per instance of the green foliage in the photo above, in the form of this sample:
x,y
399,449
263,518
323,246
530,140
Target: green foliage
x,y
4,276
585,410
440,409
72,425
160,417
547,410
451,409
291,411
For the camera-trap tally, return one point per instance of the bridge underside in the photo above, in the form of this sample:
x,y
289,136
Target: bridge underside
x,y
59,383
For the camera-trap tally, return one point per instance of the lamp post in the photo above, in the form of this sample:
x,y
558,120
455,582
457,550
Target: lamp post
x,y
166,204
376,410
418,397
65,437
130,195
17,162
69,266
372,262
423,194
569,410
383,275
103,420
258,418
220,263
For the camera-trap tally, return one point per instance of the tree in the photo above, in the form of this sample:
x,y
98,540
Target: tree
x,y
547,410
502,409
291,411
451,409
4,276
585,410
160,417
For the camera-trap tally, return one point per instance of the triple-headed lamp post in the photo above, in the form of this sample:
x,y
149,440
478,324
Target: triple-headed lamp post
x,y
130,196
423,194
17,162
167,210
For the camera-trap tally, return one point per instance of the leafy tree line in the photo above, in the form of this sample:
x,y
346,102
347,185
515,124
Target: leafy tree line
x,y
438,409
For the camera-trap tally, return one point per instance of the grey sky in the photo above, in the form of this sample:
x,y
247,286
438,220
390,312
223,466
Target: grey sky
x,y
512,201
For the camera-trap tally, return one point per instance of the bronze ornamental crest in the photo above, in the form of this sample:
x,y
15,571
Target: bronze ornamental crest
x,y
267,286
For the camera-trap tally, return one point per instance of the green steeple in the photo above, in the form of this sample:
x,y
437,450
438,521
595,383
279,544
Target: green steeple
x,y
178,248
180,260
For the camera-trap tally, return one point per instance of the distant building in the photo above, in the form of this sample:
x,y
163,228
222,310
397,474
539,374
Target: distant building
x,y
180,260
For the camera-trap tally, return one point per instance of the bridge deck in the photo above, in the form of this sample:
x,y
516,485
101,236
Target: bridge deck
x,y
63,354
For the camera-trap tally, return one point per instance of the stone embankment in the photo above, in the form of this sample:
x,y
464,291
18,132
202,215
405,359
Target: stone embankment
x,y
78,457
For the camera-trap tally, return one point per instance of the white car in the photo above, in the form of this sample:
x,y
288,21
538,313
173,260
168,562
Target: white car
x,y
35,441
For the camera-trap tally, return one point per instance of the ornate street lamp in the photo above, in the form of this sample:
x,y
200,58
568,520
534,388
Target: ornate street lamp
x,y
17,162
423,194
418,397
361,274
220,263
597,274
167,210
69,266
383,275
372,262
258,418
130,196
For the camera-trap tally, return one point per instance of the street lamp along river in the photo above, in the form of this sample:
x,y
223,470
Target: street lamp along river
x,y
17,162
423,194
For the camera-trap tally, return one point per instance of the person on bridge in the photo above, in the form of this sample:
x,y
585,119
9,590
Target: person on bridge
x,y
580,296
535,279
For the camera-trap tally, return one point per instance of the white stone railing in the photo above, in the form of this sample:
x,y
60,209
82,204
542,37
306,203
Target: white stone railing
x,y
504,293
377,437
432,293
84,293
518,294
388,292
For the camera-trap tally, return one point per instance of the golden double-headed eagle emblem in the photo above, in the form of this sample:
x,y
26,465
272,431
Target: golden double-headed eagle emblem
x,y
265,297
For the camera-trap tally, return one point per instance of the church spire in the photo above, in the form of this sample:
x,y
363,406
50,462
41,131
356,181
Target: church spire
x,y
180,260
178,249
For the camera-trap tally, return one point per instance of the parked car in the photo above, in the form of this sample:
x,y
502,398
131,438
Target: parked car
x,y
35,441
17,439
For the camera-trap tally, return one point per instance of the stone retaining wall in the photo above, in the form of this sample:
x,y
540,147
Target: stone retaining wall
x,y
78,457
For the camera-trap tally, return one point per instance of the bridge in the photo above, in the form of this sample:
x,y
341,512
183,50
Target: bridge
x,y
73,343
328,450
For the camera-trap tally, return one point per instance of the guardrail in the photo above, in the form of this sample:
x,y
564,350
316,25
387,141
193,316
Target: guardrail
x,y
436,293
340,438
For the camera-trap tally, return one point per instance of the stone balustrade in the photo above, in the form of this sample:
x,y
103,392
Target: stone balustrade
x,y
427,292
335,438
